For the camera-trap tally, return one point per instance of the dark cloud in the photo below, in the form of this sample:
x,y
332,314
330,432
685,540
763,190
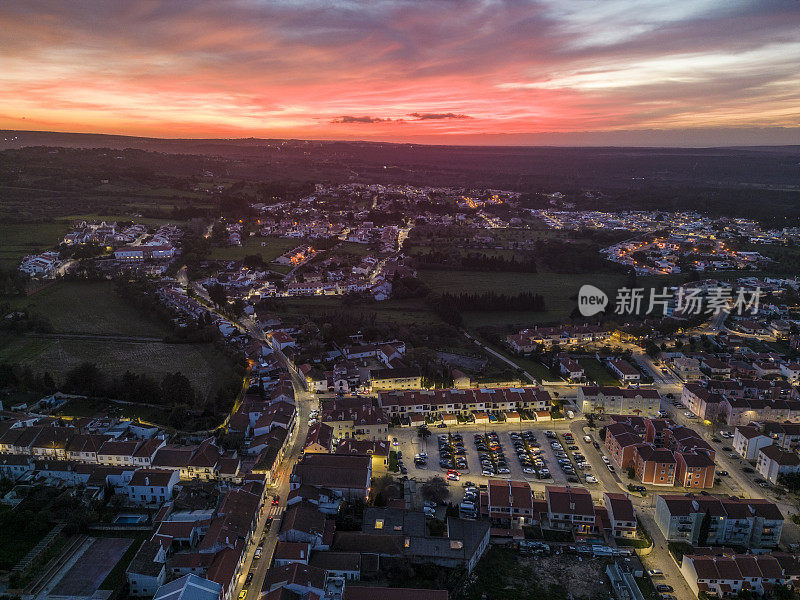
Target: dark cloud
x,y
353,119
437,116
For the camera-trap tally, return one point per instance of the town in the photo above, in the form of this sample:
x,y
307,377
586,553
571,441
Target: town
x,y
655,454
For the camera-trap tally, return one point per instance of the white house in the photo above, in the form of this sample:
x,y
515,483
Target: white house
x,y
152,486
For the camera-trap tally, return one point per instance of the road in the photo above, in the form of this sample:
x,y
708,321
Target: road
x,y
305,402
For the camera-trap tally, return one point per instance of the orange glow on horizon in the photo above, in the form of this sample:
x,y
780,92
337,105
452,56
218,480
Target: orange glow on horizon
x,y
316,70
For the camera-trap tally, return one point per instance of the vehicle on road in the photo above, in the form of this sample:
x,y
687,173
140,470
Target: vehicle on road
x,y
663,587
655,573
258,553
242,594
276,500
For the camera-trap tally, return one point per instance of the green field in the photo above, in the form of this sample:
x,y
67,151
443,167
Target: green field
x,y
273,247
596,371
18,240
92,308
353,248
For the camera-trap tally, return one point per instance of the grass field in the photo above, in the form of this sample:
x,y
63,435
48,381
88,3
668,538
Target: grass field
x,y
199,362
596,371
18,240
400,312
353,248
90,307
273,247
22,349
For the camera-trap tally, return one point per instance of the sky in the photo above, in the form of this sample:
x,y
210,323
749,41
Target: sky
x,y
573,72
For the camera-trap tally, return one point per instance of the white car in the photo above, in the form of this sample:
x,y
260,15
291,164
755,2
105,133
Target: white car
x,y
591,479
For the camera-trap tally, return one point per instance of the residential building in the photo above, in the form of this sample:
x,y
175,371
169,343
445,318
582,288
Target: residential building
x,y
773,461
617,400
748,440
753,523
347,475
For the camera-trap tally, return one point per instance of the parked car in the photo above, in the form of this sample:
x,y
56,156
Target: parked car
x,y
663,587
249,579
655,573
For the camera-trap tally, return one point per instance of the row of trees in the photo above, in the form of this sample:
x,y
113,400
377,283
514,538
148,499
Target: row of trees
x,y
492,301
473,261
88,379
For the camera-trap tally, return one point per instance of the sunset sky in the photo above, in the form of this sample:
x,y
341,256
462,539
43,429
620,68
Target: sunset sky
x,y
681,72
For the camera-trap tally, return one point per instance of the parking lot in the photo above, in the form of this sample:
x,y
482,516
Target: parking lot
x,y
410,444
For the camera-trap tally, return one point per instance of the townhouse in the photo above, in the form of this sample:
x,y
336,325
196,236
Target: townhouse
x,y
621,516
511,504
729,574
570,508
84,447
118,452
464,401
617,400
753,523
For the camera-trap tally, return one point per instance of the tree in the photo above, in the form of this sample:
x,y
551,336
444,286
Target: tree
x,y
217,294
86,379
423,432
705,526
631,472
435,490
219,234
176,389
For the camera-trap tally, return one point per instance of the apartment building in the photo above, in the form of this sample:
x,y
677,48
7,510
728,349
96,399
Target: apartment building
x,y
753,523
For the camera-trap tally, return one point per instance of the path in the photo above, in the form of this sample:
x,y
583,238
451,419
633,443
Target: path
x,y
506,360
